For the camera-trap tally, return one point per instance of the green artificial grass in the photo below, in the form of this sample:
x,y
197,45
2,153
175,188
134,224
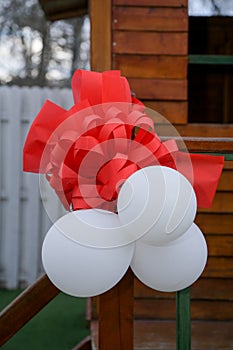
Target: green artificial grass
x,y
60,325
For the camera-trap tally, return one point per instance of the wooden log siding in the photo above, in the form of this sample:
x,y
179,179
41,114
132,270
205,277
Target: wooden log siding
x,y
161,89
212,294
150,48
160,67
151,19
157,43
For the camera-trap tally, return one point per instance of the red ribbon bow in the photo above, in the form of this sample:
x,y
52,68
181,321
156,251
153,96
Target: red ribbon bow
x,y
88,151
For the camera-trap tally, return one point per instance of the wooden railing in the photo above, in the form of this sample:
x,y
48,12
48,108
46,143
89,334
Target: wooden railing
x,y
25,307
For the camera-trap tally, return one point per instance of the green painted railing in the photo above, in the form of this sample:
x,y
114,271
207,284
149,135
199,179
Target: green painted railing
x,y
210,59
183,320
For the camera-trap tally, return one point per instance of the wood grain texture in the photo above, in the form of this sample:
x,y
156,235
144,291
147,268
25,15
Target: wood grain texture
x,y
174,111
212,289
137,42
196,130
155,3
226,181
161,335
219,267
202,289
200,144
150,47
116,316
207,130
150,19
228,165
25,307
221,245
211,335
161,89
222,203
151,335
161,67
149,309
100,15
215,223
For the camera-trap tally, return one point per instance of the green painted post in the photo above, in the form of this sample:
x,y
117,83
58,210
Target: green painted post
x,y
183,320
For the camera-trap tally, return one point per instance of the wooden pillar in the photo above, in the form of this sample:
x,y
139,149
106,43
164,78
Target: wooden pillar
x,y
116,316
101,37
116,305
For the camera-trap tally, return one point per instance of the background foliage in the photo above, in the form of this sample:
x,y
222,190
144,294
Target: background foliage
x,y
34,51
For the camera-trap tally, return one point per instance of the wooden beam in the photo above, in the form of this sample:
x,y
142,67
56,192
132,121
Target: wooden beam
x,y
116,316
55,9
100,16
25,307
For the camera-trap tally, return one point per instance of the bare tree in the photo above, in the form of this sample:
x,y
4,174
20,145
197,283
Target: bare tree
x,y
36,51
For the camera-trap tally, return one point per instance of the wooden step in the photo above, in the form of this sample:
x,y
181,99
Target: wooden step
x,y
159,335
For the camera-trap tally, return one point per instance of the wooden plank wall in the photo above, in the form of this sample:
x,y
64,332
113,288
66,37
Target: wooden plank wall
x,y
150,47
212,294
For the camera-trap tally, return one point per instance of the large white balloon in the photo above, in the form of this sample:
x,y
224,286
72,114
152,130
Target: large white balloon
x,y
80,270
173,266
95,228
157,203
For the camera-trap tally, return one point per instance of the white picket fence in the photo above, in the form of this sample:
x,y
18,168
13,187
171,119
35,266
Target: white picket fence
x,y
23,219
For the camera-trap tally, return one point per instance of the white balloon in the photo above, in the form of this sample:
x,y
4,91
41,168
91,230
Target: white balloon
x,y
173,266
157,203
95,228
83,271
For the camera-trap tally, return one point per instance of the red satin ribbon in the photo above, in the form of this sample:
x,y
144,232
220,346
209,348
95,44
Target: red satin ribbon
x,y
90,150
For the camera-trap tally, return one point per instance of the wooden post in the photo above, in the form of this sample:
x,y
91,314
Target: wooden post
x,y
183,326
116,316
101,41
